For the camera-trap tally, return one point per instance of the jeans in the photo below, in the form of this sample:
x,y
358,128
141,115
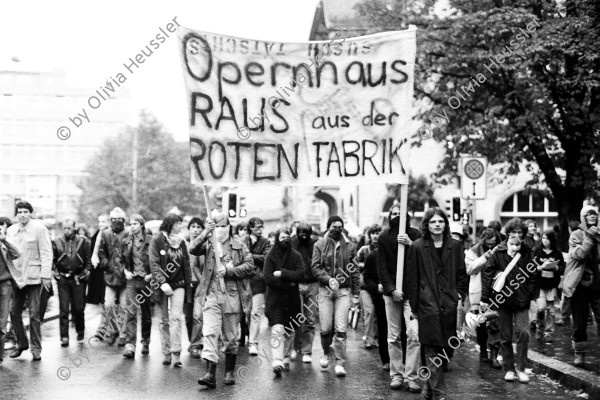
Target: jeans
x,y
135,287
333,313
493,334
520,319
113,318
382,327
172,321
545,314
308,298
256,315
395,312
369,317
70,295
435,383
281,345
217,323
32,293
6,293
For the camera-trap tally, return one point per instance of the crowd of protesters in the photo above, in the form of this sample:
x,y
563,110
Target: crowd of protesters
x,y
222,281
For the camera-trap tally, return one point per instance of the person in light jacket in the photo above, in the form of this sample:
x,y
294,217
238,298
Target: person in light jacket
x,y
9,276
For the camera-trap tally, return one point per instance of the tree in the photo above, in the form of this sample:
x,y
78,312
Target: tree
x,y
520,98
420,191
163,175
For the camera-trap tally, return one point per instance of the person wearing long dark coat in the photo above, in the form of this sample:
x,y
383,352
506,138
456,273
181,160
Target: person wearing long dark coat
x,y
436,277
283,271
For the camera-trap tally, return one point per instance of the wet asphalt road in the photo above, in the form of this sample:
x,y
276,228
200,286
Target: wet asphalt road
x,y
94,370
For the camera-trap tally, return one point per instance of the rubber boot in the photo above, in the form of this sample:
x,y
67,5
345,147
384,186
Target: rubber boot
x,y
494,359
230,369
209,379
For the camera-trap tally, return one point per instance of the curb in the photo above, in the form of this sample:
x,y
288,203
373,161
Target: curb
x,y
568,375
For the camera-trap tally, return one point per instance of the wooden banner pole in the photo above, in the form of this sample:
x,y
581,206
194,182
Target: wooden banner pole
x,y
402,229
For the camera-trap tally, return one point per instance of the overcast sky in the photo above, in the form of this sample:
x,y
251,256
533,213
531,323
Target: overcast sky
x,y
92,40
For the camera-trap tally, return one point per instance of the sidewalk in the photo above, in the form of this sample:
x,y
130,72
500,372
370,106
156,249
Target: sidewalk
x,y
556,360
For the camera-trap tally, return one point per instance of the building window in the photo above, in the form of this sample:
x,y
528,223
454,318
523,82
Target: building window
x,y
537,205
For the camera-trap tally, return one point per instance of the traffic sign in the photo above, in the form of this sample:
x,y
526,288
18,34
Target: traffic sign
x,y
474,178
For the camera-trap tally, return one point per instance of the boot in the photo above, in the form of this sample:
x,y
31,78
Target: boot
x,y
209,379
494,359
230,368
579,348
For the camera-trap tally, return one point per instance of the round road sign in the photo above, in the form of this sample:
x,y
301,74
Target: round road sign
x,y
474,169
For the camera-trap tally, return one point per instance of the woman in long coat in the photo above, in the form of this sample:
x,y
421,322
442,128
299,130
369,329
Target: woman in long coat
x,y
436,276
283,271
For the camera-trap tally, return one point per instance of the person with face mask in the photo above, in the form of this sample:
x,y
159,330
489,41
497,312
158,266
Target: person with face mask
x,y
72,265
304,244
259,248
112,254
397,306
475,260
283,271
509,284
224,293
581,283
334,267
97,287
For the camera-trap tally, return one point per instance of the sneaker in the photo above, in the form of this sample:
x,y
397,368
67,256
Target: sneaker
x,y
253,350
294,355
122,342
80,337
397,382
277,371
340,371
129,354
37,357
523,377
386,367
64,342
176,360
510,376
324,361
306,359
9,345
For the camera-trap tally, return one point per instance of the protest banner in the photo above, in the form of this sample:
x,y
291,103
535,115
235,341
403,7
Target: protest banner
x,y
315,113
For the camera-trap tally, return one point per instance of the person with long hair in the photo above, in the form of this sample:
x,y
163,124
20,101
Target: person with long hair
x,y
581,283
193,312
170,266
476,259
436,277
509,286
283,271
550,265
366,302
224,293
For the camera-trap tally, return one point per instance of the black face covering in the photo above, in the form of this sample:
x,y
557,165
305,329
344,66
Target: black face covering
x,y
335,235
285,244
303,237
117,225
395,221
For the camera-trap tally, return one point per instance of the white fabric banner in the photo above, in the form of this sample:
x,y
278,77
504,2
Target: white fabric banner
x,y
316,113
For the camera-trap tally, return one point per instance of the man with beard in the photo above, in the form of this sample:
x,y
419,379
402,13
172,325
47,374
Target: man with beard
x,y
259,247
303,243
35,265
396,301
72,264
112,254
